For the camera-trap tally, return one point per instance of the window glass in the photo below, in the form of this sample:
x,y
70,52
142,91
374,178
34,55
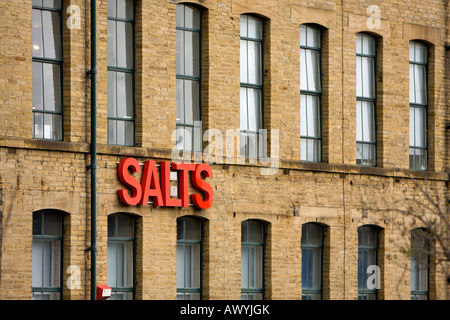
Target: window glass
x,y
419,264
47,70
367,256
120,258
46,255
365,100
312,243
188,258
188,62
252,259
310,98
418,153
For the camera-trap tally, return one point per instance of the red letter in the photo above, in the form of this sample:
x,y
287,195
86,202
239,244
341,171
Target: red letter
x,y
150,185
165,186
129,181
199,184
183,184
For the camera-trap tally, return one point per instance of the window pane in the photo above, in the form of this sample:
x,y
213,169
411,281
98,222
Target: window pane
x,y
313,37
124,95
243,62
112,132
125,9
367,236
254,62
368,120
180,101
192,53
37,86
124,44
243,109
38,49
112,93
120,225
180,51
368,45
51,34
419,260
191,101
418,52
120,263
56,4
254,109
419,127
191,17
420,84
112,44
38,125
368,77
311,234
254,27
52,87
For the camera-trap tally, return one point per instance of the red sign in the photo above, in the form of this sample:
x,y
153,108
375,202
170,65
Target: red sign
x,y
151,186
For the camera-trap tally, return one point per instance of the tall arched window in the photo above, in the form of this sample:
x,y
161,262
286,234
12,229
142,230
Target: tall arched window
x,y
418,105
121,73
311,94
188,68
252,260
420,248
47,70
251,66
189,240
47,255
366,144
367,257
312,253
121,256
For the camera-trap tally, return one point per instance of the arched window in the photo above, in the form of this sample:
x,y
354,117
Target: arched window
x,y
366,144
121,256
121,73
189,240
251,66
420,248
188,69
311,93
47,70
418,105
367,257
252,260
47,255
312,253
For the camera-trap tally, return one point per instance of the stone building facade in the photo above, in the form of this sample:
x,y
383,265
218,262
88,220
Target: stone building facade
x,y
44,165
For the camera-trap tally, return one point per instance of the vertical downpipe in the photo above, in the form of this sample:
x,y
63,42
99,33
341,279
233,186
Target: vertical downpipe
x,y
93,165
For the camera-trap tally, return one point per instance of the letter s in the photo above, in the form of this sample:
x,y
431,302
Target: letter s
x,y
129,181
199,184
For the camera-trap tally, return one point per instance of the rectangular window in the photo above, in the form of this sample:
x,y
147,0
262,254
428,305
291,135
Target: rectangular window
x,y
121,77
312,245
251,92
188,258
252,260
365,100
419,264
47,256
311,94
367,256
121,257
47,70
418,105
188,68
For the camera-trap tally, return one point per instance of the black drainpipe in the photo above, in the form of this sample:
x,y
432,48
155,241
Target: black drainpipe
x,y
93,165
